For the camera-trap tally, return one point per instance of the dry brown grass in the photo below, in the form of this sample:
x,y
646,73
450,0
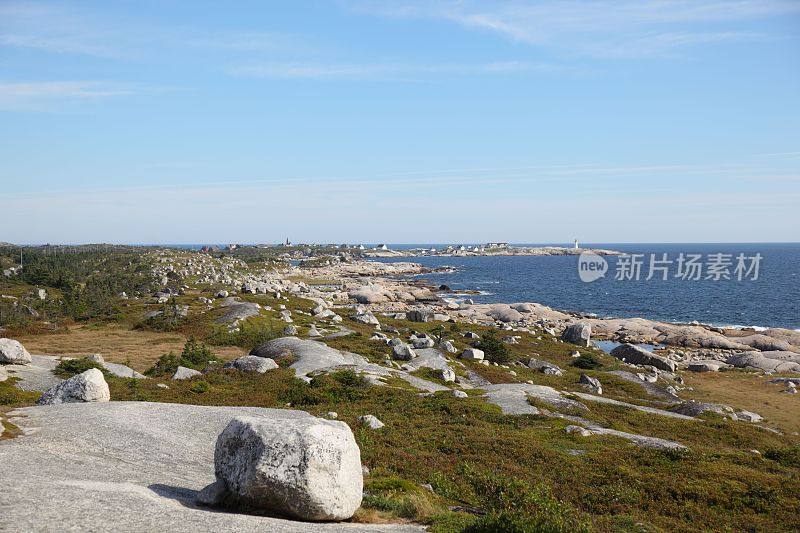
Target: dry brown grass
x,y
138,348
753,392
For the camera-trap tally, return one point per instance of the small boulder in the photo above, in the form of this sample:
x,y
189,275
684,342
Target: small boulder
x,y
544,367
472,354
185,373
447,375
459,394
419,315
578,430
89,386
403,352
12,352
703,367
252,363
307,468
579,334
371,422
636,355
748,416
591,383
424,342
448,347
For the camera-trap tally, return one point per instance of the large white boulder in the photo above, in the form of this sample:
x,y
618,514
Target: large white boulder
x,y
13,352
90,386
308,468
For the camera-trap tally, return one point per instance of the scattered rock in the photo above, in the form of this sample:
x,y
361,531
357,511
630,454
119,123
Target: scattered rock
x,y
419,315
459,394
591,383
472,354
403,352
579,334
578,430
448,346
447,375
371,422
748,416
545,368
185,373
697,408
703,367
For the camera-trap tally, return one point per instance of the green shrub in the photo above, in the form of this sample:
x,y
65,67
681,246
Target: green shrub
x,y
493,348
200,387
194,355
170,319
785,456
342,385
11,395
72,367
514,506
587,361
248,336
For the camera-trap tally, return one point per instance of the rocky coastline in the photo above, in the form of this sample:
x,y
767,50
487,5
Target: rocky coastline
x,y
388,288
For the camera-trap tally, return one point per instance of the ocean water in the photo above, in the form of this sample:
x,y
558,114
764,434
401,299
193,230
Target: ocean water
x,y
772,300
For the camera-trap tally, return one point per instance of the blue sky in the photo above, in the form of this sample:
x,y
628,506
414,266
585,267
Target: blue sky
x,y
430,121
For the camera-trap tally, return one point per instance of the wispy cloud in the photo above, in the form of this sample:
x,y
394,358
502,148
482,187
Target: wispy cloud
x,y
57,29
629,28
42,95
389,71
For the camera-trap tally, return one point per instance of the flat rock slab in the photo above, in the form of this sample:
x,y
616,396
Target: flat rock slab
x,y
127,466
512,398
652,389
37,375
309,356
639,440
428,358
237,311
651,410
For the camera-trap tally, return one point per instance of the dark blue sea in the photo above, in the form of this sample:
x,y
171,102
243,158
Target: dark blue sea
x,y
772,300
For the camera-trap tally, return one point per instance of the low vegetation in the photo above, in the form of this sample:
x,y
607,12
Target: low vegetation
x,y
195,355
71,367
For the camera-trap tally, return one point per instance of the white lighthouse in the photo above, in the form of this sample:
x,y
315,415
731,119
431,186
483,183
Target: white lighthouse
x,y
576,244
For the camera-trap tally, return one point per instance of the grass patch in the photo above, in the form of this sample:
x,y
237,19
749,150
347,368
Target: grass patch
x,y
11,396
72,367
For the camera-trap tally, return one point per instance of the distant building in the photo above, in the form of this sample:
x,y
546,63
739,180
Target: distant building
x,y
381,247
288,243
496,245
576,244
